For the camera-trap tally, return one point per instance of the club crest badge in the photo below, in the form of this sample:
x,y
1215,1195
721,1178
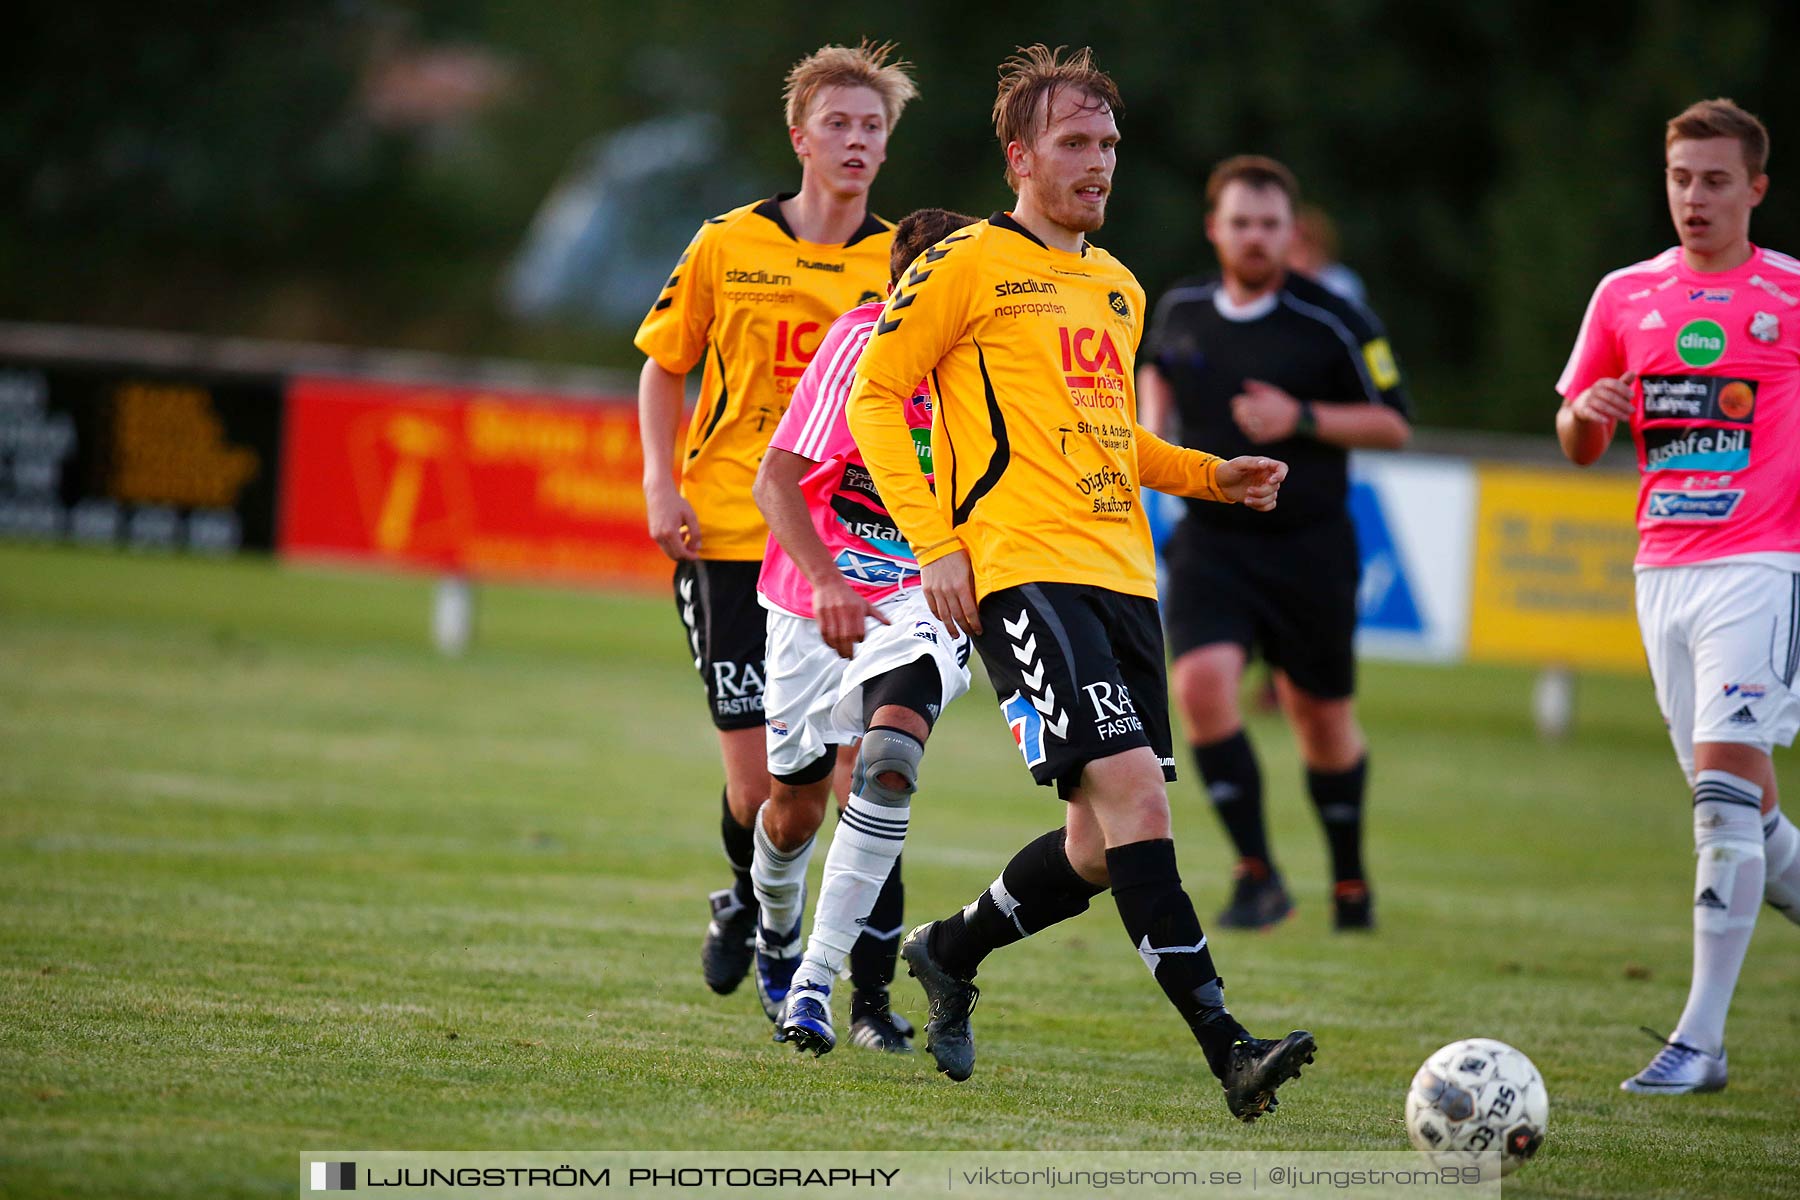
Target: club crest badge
x,y
1765,327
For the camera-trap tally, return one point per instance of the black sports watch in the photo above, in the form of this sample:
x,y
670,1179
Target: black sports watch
x,y
1308,421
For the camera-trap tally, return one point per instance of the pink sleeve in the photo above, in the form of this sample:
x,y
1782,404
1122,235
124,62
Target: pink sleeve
x,y
814,426
800,408
1597,353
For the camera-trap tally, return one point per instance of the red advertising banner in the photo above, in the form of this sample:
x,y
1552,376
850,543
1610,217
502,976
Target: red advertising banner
x,y
486,483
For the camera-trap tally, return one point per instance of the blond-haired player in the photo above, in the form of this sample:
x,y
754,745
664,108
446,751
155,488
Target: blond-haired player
x,y
747,302
1037,543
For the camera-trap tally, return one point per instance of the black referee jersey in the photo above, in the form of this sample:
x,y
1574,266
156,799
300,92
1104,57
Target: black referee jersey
x,y
1304,339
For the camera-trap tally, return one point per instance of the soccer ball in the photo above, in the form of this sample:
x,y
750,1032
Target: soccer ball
x,y
1478,1094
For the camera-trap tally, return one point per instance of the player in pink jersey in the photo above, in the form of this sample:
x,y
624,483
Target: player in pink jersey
x,y
853,652
1698,350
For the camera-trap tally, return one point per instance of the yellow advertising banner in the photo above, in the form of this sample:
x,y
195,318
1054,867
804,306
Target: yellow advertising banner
x,y
1553,580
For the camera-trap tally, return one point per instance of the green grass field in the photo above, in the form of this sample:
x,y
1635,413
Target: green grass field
x,y
276,877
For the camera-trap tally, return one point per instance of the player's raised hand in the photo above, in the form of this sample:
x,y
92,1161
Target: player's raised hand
x,y
1606,399
674,526
1252,480
1264,412
949,585
843,615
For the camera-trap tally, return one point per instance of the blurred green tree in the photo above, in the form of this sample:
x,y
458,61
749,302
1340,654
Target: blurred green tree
x,y
362,172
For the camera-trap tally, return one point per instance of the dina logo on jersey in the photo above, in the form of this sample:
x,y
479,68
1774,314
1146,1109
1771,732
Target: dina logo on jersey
x,y
869,298
1700,343
1027,725
1121,307
921,440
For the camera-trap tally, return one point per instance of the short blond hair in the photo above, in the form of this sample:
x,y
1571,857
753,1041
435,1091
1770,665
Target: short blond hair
x,y
1720,118
864,65
1037,73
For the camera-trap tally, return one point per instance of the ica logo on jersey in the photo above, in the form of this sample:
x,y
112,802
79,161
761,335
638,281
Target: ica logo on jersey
x,y
795,345
1092,368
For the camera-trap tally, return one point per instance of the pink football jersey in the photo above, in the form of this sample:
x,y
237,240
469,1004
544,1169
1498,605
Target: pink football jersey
x,y
1717,358
847,512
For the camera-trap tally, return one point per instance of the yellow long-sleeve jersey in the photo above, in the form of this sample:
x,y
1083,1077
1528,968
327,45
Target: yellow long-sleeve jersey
x,y
1038,455
753,301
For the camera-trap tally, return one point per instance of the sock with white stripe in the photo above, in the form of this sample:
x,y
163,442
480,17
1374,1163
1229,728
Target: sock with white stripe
x,y
780,880
1160,919
864,855
873,957
1728,890
1781,850
1038,889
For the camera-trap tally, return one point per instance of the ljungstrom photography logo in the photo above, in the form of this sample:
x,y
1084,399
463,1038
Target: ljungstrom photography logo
x,y
334,1177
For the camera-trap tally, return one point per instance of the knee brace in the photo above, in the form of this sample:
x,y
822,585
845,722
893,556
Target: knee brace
x,y
886,750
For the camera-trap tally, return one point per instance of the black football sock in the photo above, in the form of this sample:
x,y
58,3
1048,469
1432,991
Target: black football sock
x,y
872,957
1234,784
1338,795
740,849
1160,919
1037,889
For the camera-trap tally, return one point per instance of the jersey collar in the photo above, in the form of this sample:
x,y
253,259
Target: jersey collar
x,y
771,208
1004,220
1256,310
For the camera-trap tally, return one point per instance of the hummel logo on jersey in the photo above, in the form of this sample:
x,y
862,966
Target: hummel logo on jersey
x,y
1709,899
903,297
1032,669
1742,716
686,593
1653,320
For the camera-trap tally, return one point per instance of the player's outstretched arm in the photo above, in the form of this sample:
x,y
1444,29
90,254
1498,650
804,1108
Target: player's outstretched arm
x,y
1584,425
842,613
671,519
1252,480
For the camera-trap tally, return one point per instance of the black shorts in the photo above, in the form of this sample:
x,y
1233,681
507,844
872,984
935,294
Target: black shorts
x,y
1287,594
727,631
1079,672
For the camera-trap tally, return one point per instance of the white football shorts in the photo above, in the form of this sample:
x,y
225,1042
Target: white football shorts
x,y
1723,645
813,698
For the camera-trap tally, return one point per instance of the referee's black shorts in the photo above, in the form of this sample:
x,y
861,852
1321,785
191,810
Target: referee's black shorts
x,y
1289,595
1079,674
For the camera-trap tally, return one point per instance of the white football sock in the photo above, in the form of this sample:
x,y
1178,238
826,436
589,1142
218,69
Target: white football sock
x,y
1728,890
868,842
780,881
1781,847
